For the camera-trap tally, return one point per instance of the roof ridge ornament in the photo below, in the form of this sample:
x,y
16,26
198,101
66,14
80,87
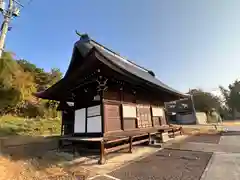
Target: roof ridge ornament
x,y
151,73
83,36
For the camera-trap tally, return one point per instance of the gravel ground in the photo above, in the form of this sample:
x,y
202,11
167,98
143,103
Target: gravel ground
x,y
102,178
166,165
204,138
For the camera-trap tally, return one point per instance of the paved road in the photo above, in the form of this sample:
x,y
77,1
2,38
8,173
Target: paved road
x,y
225,165
205,158
163,165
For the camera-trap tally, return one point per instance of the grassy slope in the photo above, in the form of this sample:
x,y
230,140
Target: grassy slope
x,y
10,125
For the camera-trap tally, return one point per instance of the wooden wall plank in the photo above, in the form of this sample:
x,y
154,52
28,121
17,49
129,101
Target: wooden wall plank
x,y
144,116
156,121
112,117
129,124
115,97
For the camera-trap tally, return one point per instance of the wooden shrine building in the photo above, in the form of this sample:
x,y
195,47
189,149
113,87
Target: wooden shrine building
x,y
103,94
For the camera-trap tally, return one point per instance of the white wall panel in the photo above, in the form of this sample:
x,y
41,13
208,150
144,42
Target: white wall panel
x,y
80,121
94,124
129,111
93,111
157,112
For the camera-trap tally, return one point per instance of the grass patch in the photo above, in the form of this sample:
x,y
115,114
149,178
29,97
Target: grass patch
x,y
11,125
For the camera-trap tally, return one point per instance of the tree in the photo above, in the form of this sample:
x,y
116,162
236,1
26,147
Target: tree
x,y
8,67
55,75
9,92
205,101
232,97
19,79
42,79
9,97
27,66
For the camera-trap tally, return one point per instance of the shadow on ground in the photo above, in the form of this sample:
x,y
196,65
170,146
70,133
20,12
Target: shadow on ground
x,y
231,133
204,138
17,147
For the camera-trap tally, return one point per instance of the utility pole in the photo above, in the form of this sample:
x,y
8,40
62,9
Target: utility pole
x,y
8,14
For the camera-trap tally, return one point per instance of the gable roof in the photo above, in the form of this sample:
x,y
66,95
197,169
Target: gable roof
x,y
85,45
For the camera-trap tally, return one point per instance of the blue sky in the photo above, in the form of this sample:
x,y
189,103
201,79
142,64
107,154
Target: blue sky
x,y
187,43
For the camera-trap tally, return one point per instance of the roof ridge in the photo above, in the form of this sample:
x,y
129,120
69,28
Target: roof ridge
x,y
117,54
86,37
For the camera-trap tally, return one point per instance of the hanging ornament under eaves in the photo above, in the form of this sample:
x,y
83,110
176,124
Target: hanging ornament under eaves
x,y
102,84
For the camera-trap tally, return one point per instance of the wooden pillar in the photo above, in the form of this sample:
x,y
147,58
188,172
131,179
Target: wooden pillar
x,y
130,144
74,149
62,123
102,159
181,131
102,111
60,144
149,138
152,116
121,109
173,132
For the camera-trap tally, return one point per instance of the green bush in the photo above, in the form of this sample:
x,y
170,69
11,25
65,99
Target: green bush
x,y
31,110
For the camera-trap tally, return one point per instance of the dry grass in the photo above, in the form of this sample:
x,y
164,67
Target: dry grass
x,y
200,130
16,165
232,123
39,169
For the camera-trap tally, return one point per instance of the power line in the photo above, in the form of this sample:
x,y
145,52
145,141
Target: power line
x,y
12,10
27,4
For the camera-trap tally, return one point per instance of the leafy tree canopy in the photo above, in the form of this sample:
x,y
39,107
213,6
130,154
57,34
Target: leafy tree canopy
x,y
205,101
232,96
19,79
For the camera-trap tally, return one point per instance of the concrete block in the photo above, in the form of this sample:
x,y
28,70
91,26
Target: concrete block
x,y
165,137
